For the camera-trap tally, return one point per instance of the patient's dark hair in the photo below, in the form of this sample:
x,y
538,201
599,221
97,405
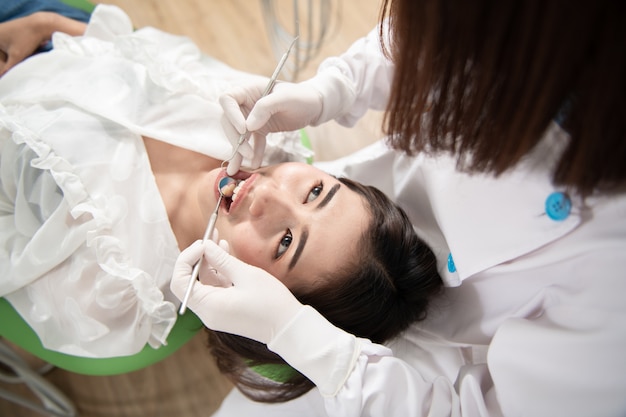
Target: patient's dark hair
x,y
375,296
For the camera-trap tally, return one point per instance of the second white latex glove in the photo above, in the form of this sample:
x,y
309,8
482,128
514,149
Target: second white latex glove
x,y
256,305
290,106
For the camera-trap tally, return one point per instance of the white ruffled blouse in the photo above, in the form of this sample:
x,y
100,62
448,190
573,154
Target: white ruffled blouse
x,y
86,249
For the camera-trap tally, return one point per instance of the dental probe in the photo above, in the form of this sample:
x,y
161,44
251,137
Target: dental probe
x,y
224,189
224,182
268,89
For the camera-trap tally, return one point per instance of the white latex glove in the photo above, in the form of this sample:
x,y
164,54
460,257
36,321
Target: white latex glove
x,y
289,107
256,305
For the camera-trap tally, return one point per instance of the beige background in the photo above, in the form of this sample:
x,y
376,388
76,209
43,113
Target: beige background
x,y
187,384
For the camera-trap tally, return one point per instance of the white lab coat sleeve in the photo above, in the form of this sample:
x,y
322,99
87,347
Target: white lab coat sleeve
x,y
383,385
360,378
356,81
529,360
323,352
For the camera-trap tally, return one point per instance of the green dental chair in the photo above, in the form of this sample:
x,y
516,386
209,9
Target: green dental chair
x,y
15,330
14,369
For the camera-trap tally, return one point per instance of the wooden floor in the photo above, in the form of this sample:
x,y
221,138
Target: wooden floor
x,y
187,384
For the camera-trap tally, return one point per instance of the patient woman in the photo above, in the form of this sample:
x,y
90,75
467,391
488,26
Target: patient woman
x,y
110,150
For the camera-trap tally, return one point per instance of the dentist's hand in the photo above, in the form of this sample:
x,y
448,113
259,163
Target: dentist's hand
x,y
288,107
256,305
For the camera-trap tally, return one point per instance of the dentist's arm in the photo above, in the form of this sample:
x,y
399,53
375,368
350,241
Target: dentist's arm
x,y
356,377
344,88
260,307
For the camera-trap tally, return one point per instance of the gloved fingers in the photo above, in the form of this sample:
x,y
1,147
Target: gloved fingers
x,y
211,276
245,149
224,245
259,142
221,242
208,275
183,267
205,292
234,125
216,280
206,302
234,164
261,113
189,256
215,237
232,111
281,112
229,130
232,268
285,97
233,137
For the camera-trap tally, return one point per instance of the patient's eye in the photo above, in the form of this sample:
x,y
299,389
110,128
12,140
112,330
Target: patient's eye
x,y
315,192
284,243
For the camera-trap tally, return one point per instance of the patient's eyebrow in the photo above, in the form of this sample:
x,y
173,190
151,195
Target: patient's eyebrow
x,y
329,196
296,255
305,232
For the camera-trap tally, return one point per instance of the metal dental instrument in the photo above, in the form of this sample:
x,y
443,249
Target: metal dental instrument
x,y
223,184
211,226
268,89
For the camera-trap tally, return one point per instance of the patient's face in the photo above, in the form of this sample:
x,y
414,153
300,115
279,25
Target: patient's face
x,y
292,220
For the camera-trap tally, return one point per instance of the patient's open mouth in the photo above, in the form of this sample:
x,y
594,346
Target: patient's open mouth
x,y
230,193
229,188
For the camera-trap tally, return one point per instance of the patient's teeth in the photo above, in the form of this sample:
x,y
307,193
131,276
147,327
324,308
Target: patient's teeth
x,y
237,188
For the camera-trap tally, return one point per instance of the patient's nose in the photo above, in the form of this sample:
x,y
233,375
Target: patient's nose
x,y
269,202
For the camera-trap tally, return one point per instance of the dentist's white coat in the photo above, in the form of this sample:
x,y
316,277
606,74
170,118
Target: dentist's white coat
x,y
534,319
544,299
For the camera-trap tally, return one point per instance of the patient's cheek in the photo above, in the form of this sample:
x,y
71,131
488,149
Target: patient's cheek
x,y
260,257
249,253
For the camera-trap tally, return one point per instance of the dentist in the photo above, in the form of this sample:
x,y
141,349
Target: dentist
x,y
507,142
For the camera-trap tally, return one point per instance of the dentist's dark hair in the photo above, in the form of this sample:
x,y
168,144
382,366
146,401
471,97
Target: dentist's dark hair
x,y
376,295
485,78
